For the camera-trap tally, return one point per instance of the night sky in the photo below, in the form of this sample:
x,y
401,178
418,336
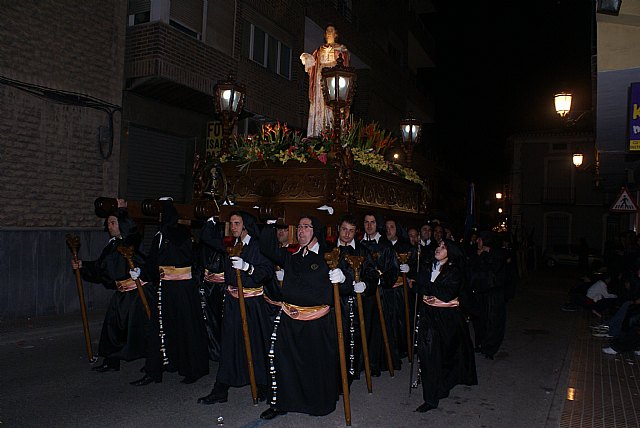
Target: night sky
x,y
498,66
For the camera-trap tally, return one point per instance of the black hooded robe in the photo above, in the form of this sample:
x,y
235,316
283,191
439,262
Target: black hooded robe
x,y
444,343
303,354
233,370
178,337
123,331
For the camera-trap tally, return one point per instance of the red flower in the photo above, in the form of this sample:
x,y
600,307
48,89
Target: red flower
x,y
322,157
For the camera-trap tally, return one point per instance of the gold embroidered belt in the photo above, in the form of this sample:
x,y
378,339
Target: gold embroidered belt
x,y
127,285
271,302
399,282
434,301
218,278
305,313
246,292
172,273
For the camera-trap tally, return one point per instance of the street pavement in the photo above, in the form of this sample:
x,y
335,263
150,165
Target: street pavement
x,y
46,380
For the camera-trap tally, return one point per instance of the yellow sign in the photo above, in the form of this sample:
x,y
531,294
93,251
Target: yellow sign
x,y
214,139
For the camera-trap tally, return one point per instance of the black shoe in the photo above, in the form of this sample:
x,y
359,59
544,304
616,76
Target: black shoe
x,y
105,367
425,407
271,413
214,397
189,380
145,380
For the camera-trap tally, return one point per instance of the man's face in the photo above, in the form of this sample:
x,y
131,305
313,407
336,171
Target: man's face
x,y
346,232
425,232
237,226
413,236
304,231
330,34
112,226
392,233
479,243
370,225
283,236
437,233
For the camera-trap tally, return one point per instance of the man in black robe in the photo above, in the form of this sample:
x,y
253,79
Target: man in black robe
x,y
367,286
488,275
122,336
210,269
178,337
386,264
393,298
255,271
303,353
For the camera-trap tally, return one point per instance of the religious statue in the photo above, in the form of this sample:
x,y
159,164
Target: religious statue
x,y
321,116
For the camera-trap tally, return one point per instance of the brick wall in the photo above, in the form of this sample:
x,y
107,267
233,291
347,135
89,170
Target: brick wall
x,y
49,154
51,166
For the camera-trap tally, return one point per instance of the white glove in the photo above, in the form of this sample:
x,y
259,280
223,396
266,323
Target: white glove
x,y
238,263
134,273
280,275
271,221
404,268
336,276
359,287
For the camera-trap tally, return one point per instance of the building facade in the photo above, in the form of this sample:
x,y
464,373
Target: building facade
x,y
114,98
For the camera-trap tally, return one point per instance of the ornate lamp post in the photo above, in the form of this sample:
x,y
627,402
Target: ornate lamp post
x,y
228,102
338,89
208,177
410,130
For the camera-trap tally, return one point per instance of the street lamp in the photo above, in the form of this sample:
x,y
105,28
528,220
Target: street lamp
x,y
562,102
338,89
498,195
229,100
410,130
577,159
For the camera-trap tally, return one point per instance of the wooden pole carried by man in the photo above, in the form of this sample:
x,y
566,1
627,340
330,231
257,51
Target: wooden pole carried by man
x,y
73,242
356,263
403,258
236,250
332,259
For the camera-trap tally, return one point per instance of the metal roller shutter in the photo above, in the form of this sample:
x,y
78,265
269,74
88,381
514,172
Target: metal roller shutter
x,y
188,13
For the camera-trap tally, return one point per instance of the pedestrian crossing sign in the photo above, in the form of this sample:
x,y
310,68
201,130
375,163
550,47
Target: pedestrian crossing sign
x,y
624,203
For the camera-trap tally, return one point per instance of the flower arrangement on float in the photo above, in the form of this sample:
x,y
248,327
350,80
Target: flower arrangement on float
x,y
277,143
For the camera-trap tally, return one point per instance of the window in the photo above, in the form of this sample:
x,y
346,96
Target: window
x,y
261,47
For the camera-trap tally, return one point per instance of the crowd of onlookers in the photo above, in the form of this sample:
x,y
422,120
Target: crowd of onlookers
x,y
611,294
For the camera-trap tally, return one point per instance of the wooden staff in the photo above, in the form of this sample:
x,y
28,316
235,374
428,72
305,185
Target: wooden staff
x,y
332,261
383,326
73,242
127,253
413,332
404,258
235,251
356,263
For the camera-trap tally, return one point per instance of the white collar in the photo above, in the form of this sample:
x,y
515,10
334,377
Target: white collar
x,y
425,243
394,242
352,243
245,240
376,237
315,248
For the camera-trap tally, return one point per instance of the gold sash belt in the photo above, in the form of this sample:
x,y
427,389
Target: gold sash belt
x,y
247,292
305,313
218,278
127,285
172,273
434,301
271,302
